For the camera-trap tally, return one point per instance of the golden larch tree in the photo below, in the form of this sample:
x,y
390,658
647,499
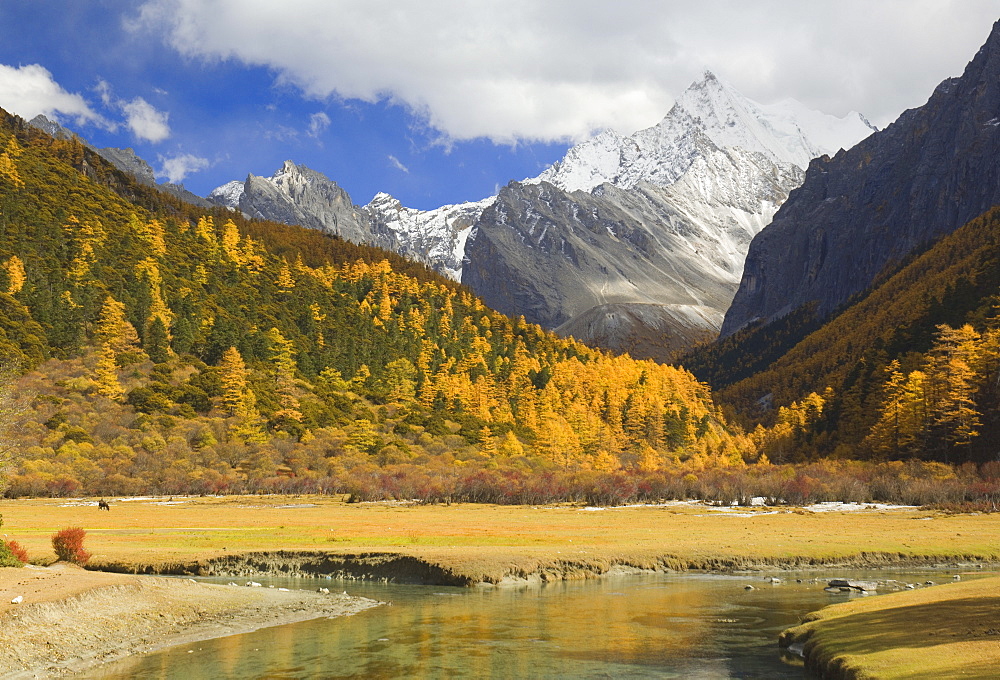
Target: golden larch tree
x,y
283,360
16,276
106,374
238,398
114,329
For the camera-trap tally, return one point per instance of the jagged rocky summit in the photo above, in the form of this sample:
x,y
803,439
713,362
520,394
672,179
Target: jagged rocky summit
x,y
630,242
125,160
863,211
296,194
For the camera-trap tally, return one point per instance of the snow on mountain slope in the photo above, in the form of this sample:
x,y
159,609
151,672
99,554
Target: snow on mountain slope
x,y
810,133
434,236
229,194
588,164
708,111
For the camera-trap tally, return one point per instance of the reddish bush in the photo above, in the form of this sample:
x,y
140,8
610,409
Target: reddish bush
x,y
19,552
68,545
7,556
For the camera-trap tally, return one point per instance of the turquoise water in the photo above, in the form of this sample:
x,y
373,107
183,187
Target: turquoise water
x,y
645,626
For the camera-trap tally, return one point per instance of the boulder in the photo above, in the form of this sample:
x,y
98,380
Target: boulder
x,y
862,586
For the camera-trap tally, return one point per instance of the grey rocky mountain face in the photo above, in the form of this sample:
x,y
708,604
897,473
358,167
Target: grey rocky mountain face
x,y
125,160
856,214
573,261
633,243
638,243
296,194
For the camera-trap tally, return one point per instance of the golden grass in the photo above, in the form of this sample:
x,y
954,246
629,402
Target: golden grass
x,y
947,631
487,542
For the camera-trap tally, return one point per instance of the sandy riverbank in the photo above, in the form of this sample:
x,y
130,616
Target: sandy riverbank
x,y
71,619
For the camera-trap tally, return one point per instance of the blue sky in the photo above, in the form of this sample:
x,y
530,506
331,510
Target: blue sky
x,y
442,101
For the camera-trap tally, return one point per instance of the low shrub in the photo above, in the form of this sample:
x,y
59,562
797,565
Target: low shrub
x,y
68,544
7,556
20,553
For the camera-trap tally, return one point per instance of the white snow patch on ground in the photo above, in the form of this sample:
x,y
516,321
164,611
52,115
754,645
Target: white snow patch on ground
x,y
758,502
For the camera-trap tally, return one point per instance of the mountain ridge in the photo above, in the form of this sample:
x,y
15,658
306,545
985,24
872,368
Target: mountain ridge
x,y
296,194
843,226
710,107
125,160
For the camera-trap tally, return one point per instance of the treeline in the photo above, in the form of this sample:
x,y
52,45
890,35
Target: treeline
x,y
915,483
436,478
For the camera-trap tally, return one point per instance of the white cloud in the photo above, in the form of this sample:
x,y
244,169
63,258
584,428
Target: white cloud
x,y
396,163
103,89
145,121
31,90
318,122
560,69
175,168
281,133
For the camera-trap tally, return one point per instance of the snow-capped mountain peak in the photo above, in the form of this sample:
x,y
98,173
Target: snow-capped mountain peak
x,y
731,120
709,113
289,171
437,236
228,194
588,164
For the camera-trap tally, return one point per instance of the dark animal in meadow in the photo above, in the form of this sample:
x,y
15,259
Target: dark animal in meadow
x,y
103,505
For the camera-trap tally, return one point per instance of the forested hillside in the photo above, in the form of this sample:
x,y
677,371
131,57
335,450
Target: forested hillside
x,y
912,366
165,349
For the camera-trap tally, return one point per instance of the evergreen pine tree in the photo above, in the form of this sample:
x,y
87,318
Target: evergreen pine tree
x,y
157,343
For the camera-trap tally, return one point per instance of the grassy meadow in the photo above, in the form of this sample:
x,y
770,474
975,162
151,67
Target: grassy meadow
x,y
948,631
487,542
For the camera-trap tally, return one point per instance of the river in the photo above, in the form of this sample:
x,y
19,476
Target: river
x,y
630,626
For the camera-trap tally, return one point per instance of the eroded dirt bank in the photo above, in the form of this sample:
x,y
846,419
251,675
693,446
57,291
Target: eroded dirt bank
x,y
508,570
68,619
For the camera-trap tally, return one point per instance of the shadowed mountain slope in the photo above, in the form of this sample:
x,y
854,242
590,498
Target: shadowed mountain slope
x,y
869,207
